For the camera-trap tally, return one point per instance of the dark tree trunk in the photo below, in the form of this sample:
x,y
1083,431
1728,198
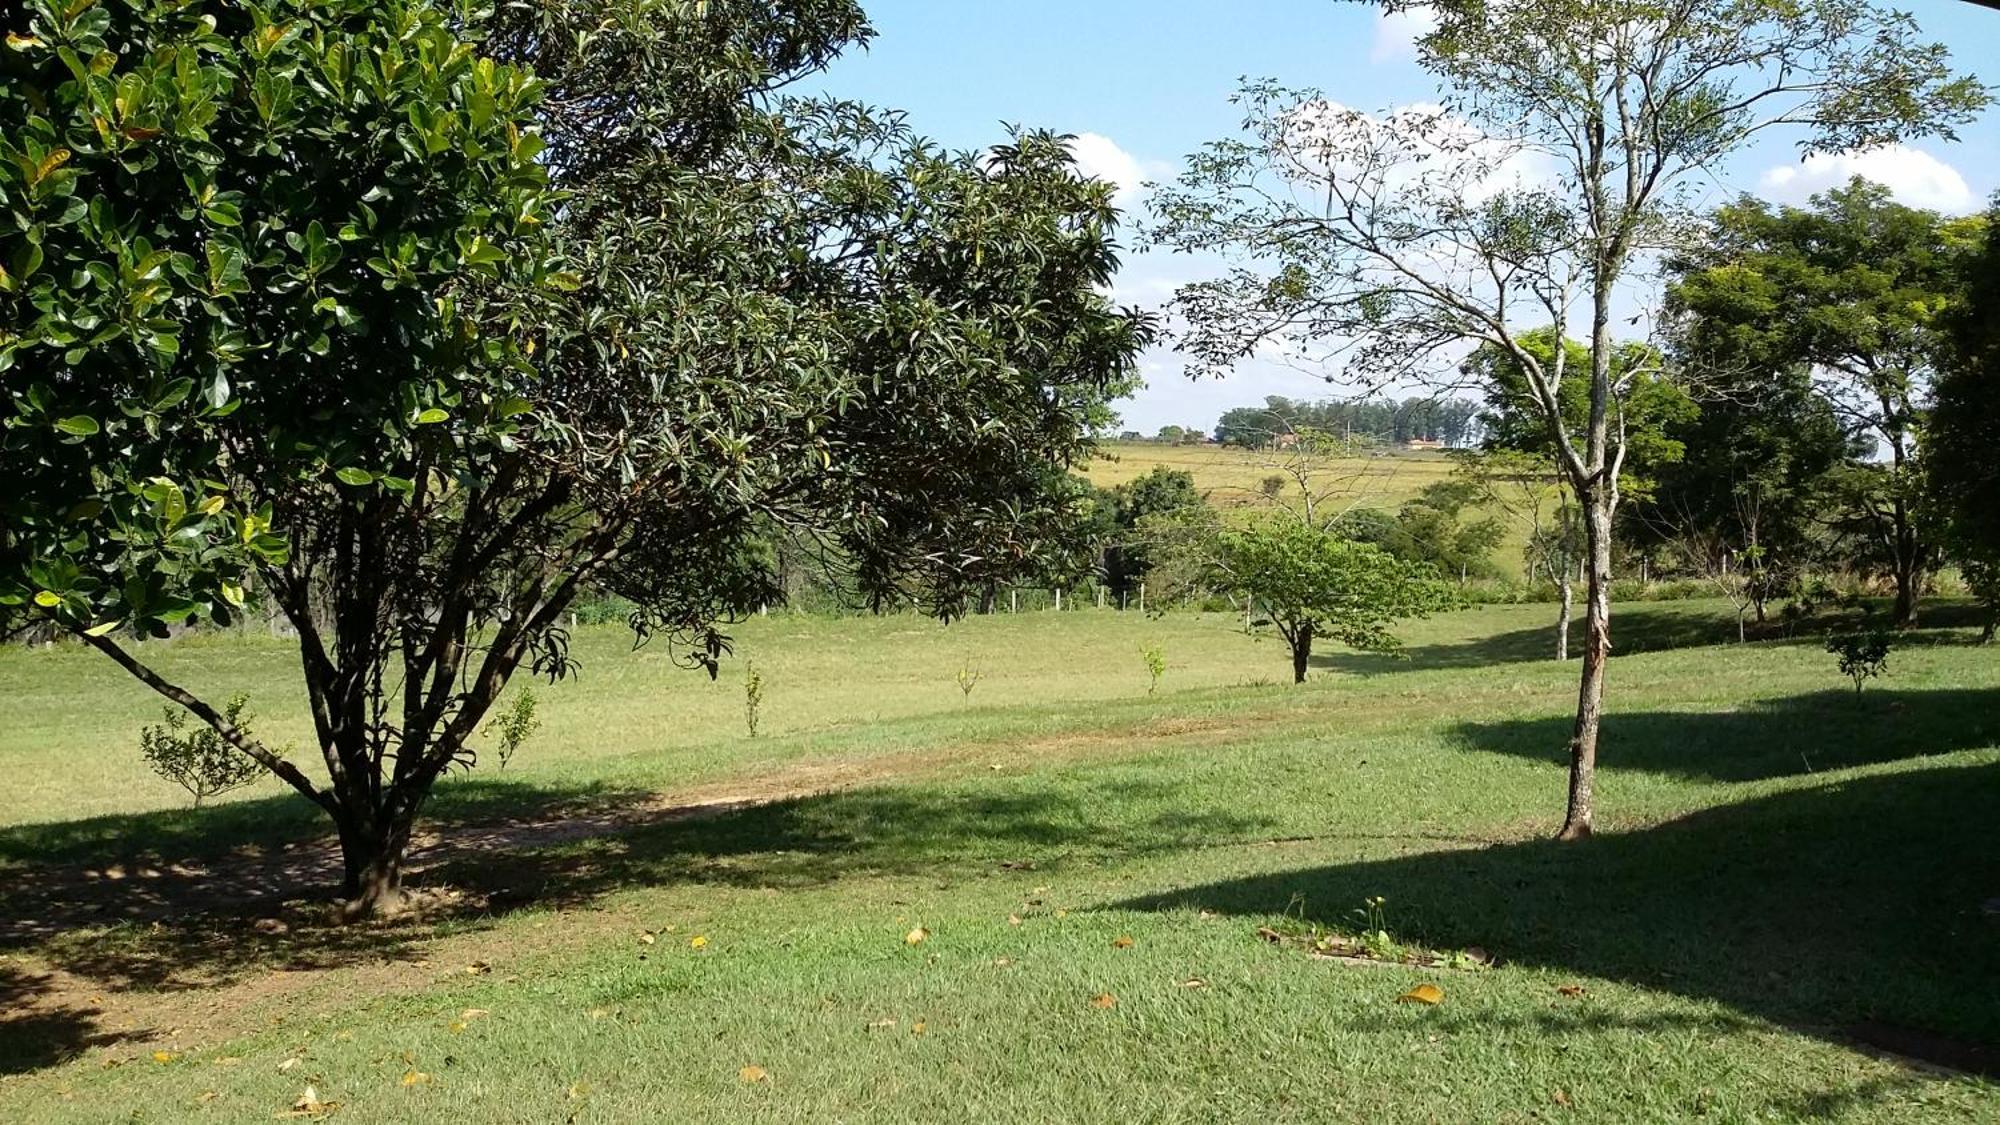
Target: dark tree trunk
x,y
1909,580
1578,820
372,856
1302,647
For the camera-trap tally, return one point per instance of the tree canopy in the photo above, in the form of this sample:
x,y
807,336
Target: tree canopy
x,y
340,349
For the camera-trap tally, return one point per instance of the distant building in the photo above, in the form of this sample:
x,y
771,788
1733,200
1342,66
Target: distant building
x,y
1423,443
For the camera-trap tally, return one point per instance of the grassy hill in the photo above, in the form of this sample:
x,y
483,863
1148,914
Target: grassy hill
x,y
1232,477
1042,899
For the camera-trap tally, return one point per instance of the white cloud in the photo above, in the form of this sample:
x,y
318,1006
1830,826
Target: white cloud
x,y
1914,177
1100,157
1396,34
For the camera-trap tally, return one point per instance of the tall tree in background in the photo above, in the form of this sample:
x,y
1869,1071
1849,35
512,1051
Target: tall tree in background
x,y
1382,244
1851,288
1963,442
357,364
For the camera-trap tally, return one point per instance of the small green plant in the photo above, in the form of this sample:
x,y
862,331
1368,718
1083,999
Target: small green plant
x,y
199,761
1375,929
1156,666
753,696
968,678
1863,655
515,725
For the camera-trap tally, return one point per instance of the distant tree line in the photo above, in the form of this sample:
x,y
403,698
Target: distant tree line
x,y
1451,422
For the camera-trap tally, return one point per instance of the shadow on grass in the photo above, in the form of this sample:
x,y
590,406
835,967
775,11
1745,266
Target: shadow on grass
x,y
190,925
1851,909
35,1033
1649,627
1768,738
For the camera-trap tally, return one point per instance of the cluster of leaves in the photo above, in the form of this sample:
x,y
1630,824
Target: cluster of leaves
x,y
198,760
514,726
1863,655
1441,526
216,218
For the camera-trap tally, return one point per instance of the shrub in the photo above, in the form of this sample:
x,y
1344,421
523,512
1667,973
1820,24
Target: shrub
x,y
1862,655
753,696
198,760
1156,666
515,725
968,678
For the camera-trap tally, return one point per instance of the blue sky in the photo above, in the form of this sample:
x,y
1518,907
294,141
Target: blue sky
x,y
1144,82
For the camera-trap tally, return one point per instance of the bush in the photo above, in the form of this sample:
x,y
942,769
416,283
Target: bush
x,y
515,725
199,761
1862,655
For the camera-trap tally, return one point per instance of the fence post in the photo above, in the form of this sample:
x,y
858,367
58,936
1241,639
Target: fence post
x,y
1013,601
1058,599
1142,597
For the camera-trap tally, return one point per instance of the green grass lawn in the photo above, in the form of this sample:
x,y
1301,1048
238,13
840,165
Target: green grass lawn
x,y
1784,868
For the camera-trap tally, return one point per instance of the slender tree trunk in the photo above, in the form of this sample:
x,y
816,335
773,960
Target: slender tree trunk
x,y
1597,511
1568,588
1302,647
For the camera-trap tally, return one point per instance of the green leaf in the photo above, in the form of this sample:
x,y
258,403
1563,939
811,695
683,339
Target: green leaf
x,y
354,476
432,416
82,425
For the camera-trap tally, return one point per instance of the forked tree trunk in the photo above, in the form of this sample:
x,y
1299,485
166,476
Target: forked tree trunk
x,y
1597,511
1302,647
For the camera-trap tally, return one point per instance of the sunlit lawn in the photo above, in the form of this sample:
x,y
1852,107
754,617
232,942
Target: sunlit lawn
x,y
1784,866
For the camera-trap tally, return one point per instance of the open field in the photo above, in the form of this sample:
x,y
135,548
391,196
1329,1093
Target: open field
x,y
1786,872
1231,475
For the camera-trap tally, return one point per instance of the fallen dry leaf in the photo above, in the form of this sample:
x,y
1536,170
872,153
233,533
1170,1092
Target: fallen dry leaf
x,y
478,968
647,939
1270,935
578,1090
917,1028
206,1096
1422,994
754,1074
1562,1099
1123,941
1570,989
1103,1000
916,936
290,1063
415,1078
885,1021
309,1105
1194,982
698,941
1013,919
1002,962
163,1056
229,1060
599,1013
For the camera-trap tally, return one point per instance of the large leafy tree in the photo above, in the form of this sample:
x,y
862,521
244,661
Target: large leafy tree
x,y
1761,467
1386,245
750,317
1851,288
1964,432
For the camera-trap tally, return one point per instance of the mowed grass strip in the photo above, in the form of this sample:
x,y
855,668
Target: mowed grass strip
x,y
1785,862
